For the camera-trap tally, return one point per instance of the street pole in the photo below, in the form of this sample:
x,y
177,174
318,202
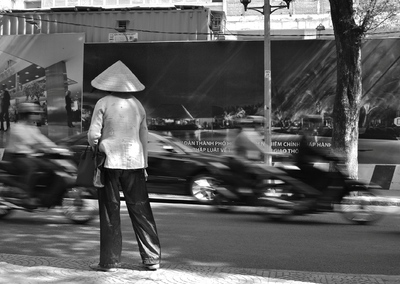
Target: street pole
x,y
266,11
267,82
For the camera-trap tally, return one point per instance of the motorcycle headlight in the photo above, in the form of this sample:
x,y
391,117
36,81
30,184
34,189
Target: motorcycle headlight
x,y
272,182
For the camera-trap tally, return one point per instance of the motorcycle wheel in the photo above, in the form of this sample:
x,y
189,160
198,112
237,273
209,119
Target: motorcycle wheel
x,y
357,207
4,211
222,203
276,214
202,188
79,205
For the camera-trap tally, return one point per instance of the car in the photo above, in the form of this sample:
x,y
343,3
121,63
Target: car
x,y
173,168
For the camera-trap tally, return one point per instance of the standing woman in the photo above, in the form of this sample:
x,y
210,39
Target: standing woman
x,y
68,107
119,127
5,105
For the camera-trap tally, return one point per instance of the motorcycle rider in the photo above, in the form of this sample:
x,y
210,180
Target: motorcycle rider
x,y
248,143
25,145
305,160
249,151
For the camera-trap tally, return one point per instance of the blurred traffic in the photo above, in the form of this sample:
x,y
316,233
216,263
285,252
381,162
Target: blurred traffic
x,y
174,168
295,185
36,174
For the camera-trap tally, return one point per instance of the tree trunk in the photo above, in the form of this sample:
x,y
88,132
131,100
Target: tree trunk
x,y
348,38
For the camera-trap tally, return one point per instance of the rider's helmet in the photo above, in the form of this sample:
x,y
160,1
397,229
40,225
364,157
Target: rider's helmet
x,y
250,121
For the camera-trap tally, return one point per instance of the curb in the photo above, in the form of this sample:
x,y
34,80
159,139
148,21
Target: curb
x,y
387,176
169,198
38,269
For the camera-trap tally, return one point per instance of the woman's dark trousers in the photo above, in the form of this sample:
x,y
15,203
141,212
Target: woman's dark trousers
x,y
133,185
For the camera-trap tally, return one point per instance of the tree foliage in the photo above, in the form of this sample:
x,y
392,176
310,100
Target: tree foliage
x,y
34,90
375,14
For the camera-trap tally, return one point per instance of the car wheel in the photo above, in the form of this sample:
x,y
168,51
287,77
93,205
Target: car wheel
x,y
202,187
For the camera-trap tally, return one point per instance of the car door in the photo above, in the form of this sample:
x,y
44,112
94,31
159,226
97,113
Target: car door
x,y
168,166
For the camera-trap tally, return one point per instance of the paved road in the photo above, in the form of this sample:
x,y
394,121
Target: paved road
x,y
32,250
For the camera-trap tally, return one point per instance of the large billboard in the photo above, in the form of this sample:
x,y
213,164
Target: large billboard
x,y
41,69
196,91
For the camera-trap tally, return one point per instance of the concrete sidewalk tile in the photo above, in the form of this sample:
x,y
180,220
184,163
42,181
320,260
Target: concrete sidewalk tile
x,y
24,269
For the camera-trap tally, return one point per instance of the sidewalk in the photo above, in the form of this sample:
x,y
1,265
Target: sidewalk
x,y
23,269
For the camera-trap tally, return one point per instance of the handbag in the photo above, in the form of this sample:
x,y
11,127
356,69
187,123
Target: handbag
x,y
99,159
90,168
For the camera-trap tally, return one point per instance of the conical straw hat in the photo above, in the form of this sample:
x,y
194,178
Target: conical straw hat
x,y
117,78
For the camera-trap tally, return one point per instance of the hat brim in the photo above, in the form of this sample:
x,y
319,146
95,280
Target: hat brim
x,y
117,78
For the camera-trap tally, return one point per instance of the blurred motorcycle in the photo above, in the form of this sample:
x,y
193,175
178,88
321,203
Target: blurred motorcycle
x,y
354,199
238,182
277,193
53,188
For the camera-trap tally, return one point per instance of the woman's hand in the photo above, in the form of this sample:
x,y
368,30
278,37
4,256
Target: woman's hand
x,y
145,174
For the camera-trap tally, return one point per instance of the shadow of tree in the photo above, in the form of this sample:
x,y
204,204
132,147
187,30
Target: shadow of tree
x,y
48,234
196,235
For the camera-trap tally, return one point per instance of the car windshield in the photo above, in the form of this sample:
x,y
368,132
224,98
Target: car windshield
x,y
159,143
179,144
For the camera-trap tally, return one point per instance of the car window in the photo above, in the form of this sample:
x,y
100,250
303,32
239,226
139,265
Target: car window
x,y
155,146
159,144
180,145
